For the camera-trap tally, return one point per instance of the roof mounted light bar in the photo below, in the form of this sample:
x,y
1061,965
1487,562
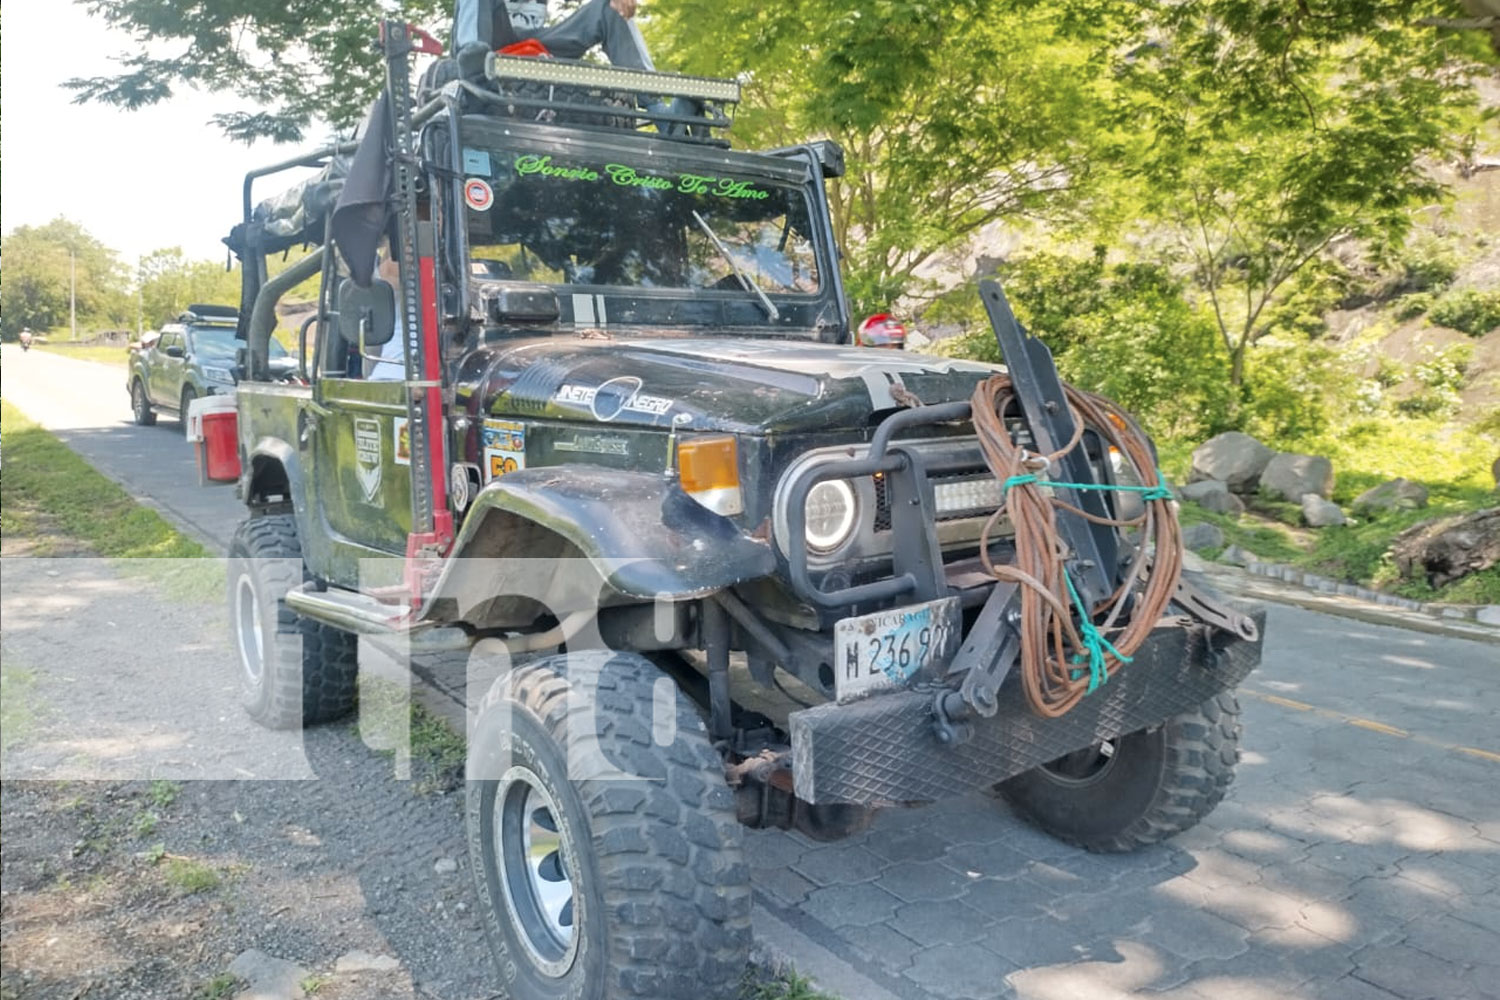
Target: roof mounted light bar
x,y
570,72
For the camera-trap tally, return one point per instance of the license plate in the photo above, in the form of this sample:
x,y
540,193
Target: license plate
x,y
887,649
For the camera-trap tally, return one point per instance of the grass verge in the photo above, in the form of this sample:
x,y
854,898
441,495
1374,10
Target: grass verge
x,y
783,984
50,497
109,354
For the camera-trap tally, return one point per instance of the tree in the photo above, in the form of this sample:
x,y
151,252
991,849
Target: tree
x,y
954,114
1267,131
169,283
35,290
299,61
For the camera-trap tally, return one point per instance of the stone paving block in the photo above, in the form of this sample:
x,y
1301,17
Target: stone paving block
x,y
772,848
919,881
781,884
838,864
994,858
1382,907
1481,912
882,946
1255,907
959,972
1005,898
1443,876
850,905
1194,935
941,923
908,845
1446,936
1355,861
1220,870
1413,974
1044,941
1294,952
1350,988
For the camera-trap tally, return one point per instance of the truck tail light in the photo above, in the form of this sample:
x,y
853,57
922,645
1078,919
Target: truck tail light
x,y
709,470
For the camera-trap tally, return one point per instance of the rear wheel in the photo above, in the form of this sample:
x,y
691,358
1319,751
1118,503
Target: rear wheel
x,y
293,671
603,838
140,406
188,395
1137,789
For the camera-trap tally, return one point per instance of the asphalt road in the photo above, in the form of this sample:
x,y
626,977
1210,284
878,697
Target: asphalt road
x,y
1357,856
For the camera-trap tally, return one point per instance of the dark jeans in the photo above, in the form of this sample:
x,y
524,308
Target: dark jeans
x,y
595,23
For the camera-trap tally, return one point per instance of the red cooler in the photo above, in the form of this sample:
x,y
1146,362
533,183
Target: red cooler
x,y
213,427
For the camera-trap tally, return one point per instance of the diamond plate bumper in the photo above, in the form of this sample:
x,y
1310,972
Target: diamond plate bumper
x,y
885,749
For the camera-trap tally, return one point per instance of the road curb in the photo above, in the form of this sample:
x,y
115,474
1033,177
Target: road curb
x,y
1408,615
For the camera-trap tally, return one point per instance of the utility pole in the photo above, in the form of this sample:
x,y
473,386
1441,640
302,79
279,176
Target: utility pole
x,y
140,300
73,292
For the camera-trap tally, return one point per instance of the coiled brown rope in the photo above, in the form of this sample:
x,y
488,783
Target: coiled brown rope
x,y
1062,660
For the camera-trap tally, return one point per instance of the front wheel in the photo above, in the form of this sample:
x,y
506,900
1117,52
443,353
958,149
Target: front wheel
x,y
140,406
606,853
1138,789
188,395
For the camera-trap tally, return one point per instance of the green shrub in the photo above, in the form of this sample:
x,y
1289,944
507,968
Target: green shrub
x,y
1473,312
1413,305
1428,262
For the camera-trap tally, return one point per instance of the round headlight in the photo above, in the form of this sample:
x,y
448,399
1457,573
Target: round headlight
x,y
830,515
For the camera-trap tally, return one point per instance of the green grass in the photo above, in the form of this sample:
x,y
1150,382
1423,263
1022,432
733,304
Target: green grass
x,y
190,877
388,719
220,987
47,491
18,704
164,793
110,354
785,984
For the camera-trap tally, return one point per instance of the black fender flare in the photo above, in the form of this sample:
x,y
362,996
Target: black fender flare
x,y
646,537
261,456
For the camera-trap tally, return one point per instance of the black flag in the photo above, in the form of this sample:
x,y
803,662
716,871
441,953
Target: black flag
x,y
359,218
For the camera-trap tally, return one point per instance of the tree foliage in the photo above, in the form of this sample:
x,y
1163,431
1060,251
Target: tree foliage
x,y
170,282
298,61
955,114
42,262
1267,131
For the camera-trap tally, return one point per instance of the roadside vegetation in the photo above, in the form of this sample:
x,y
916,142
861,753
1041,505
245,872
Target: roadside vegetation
x,y
58,504
108,354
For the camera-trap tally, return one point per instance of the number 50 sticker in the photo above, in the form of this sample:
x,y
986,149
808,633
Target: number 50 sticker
x,y
478,194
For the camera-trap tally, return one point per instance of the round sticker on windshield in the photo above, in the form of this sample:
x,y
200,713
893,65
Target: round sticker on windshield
x,y
478,195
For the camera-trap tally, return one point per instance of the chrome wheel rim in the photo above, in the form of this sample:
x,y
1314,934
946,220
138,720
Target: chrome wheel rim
x,y
534,862
1086,766
247,629
137,399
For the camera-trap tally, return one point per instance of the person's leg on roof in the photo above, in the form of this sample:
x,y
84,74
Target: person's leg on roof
x,y
598,22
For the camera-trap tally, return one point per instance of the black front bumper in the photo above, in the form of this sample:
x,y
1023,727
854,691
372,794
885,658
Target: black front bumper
x,y
885,748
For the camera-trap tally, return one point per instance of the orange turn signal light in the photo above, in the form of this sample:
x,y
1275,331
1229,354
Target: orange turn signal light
x,y
709,470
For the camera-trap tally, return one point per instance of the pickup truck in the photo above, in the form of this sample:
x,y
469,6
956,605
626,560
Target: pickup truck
x,y
195,356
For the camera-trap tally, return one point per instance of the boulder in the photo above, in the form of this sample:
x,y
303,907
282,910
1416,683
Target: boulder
x,y
1450,548
1320,513
1196,537
1288,476
1214,495
1398,494
1234,459
1489,614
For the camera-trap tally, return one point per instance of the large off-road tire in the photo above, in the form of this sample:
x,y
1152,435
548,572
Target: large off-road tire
x,y
603,839
293,671
140,404
1139,789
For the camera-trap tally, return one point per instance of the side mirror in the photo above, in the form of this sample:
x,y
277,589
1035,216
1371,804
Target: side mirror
x,y
367,316
176,351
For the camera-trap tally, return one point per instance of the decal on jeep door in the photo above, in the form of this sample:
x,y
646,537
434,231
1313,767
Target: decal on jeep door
x,y
368,454
504,447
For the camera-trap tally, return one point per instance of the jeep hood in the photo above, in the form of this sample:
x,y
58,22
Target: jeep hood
x,y
708,384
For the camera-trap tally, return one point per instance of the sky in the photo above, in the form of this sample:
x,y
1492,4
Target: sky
x,y
137,180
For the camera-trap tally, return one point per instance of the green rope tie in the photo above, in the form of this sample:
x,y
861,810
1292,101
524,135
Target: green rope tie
x,y
1158,492
1094,642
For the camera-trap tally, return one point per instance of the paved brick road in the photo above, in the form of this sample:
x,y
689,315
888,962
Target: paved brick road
x,y
1357,856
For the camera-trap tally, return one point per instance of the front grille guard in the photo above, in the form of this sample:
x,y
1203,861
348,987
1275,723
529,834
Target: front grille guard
x,y
916,556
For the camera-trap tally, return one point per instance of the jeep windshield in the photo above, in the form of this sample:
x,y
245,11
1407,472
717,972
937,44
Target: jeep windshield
x,y
589,218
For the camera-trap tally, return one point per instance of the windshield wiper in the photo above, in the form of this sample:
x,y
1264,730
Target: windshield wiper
x,y
765,300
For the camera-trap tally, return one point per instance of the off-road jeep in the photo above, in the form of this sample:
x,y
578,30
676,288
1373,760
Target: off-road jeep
x,y
734,572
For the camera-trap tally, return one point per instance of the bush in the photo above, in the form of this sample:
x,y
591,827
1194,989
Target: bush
x,y
1428,262
1473,312
1413,305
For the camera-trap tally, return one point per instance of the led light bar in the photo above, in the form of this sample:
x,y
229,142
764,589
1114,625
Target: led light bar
x,y
974,494
583,74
